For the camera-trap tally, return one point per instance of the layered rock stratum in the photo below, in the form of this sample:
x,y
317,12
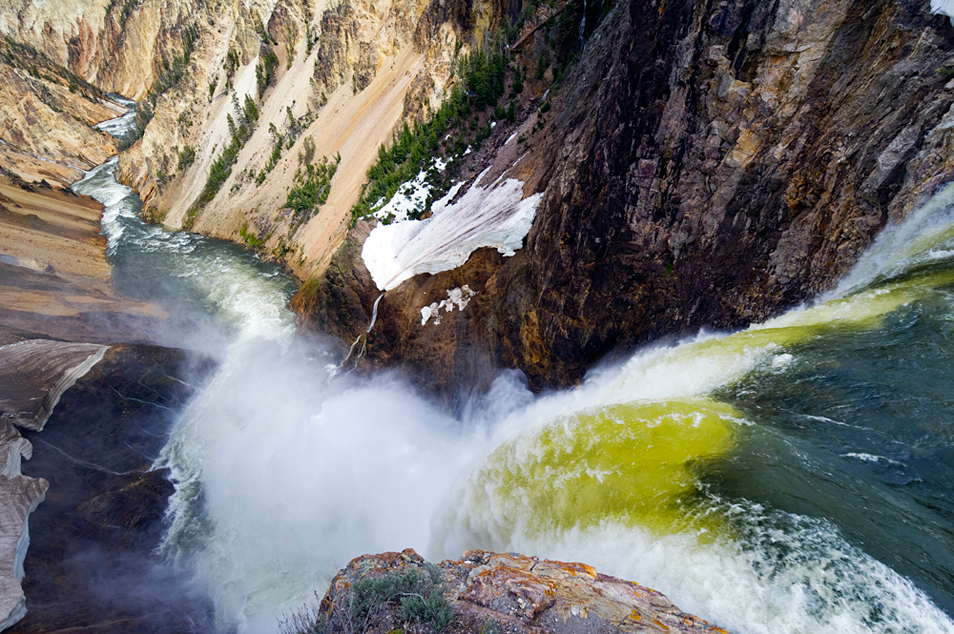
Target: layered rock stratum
x,y
698,165
108,409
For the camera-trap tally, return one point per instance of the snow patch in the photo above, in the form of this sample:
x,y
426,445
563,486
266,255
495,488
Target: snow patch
x,y
497,216
411,196
456,298
945,7
439,206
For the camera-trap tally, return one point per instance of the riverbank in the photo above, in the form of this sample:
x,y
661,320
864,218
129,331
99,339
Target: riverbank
x,y
54,277
91,419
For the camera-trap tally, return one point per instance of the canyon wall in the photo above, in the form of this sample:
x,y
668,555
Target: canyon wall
x,y
703,165
700,164
329,83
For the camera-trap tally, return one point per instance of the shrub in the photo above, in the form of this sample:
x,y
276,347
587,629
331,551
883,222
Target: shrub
x,y
480,85
311,188
172,73
221,168
186,157
413,595
265,71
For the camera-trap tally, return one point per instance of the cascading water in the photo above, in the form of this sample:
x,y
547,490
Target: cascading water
x,y
795,476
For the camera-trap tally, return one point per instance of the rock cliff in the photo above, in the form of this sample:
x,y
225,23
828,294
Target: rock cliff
x,y
103,411
45,118
19,496
701,166
33,376
489,592
328,81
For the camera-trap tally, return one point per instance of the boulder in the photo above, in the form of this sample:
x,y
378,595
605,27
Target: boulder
x,y
489,592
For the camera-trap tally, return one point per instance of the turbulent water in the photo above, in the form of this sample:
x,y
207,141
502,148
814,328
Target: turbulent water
x,y
796,476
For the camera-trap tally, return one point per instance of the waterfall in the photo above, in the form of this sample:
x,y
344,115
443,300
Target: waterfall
x,y
285,472
582,31
789,477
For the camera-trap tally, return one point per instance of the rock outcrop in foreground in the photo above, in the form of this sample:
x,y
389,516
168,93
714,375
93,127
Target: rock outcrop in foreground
x,y
490,592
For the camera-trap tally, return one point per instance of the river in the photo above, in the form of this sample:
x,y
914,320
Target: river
x,y
796,476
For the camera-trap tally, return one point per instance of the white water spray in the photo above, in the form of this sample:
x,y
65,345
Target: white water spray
x,y
925,235
284,472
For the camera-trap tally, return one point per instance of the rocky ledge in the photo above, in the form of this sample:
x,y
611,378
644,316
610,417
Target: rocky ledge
x,y
488,592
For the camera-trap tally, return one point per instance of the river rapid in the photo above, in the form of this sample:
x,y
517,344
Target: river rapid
x,y
796,476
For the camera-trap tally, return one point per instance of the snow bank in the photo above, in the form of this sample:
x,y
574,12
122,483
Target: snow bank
x,y
411,196
945,7
456,298
497,216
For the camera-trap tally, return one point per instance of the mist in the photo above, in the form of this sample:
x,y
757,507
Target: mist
x,y
301,469
286,467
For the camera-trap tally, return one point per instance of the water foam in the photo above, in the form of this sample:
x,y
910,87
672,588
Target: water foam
x,y
781,573
926,234
120,127
285,472
231,290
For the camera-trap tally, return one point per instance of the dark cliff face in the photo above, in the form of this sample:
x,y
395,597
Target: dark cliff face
x,y
705,164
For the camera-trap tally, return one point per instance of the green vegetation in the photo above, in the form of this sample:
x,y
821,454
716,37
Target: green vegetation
x,y
481,85
186,157
230,66
26,58
312,185
310,39
260,28
265,71
295,126
517,86
240,131
289,47
481,79
124,11
416,597
172,73
250,238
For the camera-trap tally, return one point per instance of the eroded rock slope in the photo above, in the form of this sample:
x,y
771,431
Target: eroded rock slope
x,y
702,165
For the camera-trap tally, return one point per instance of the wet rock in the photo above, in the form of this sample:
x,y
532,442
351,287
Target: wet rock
x,y
35,373
19,496
92,561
